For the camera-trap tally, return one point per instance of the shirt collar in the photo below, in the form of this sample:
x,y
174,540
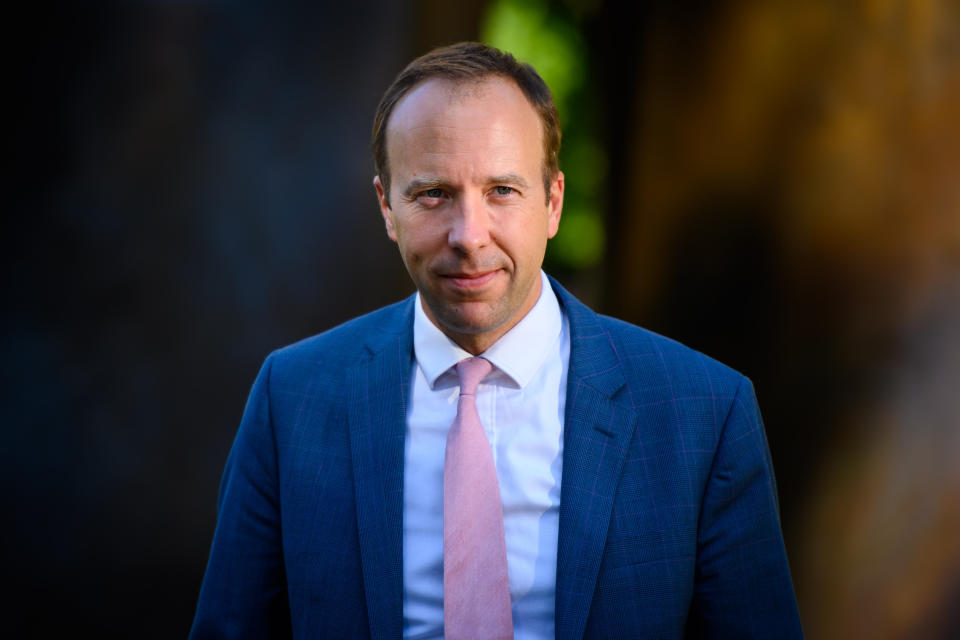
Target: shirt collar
x,y
518,354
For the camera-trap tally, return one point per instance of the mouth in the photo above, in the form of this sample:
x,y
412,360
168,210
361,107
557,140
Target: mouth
x,y
470,280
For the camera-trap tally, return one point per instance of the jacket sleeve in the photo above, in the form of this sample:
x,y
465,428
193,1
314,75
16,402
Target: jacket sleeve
x,y
743,587
244,592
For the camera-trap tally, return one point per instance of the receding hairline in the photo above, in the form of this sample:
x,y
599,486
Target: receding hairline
x,y
463,63
464,88
461,90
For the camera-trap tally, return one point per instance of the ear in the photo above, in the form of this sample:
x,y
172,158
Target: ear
x,y
555,204
385,210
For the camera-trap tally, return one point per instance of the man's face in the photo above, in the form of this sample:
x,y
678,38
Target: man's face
x,y
467,206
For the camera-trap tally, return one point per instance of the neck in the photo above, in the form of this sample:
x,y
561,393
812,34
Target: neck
x,y
476,343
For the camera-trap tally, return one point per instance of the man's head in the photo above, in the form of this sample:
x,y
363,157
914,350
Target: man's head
x,y
471,199
467,62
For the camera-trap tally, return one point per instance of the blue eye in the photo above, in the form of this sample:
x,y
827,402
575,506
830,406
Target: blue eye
x,y
433,193
503,191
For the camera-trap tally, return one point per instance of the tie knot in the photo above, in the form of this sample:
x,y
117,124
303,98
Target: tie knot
x,y
471,371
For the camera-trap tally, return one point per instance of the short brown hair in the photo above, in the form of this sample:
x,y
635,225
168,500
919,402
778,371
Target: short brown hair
x,y
462,62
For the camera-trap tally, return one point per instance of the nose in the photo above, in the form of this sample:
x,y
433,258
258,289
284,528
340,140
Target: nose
x,y
470,227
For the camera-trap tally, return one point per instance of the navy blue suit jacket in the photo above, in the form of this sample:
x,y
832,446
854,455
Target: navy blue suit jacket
x,y
669,523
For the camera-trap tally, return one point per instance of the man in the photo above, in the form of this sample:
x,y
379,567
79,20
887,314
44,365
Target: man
x,y
621,486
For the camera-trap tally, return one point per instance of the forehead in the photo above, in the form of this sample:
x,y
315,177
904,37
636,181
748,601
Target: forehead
x,y
440,112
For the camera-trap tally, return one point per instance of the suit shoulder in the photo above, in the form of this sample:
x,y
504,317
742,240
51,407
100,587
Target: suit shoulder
x,y
351,341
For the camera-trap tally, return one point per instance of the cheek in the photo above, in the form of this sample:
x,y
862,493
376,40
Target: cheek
x,y
527,239
419,241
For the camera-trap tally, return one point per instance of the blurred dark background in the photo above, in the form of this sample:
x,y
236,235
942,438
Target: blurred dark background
x,y
775,183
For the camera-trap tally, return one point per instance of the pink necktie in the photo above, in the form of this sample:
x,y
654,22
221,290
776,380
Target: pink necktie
x,y
476,588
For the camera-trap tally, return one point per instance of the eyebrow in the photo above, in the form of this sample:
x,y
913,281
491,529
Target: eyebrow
x,y
510,178
422,184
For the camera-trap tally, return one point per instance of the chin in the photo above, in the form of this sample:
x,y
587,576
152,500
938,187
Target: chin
x,y
470,323
467,327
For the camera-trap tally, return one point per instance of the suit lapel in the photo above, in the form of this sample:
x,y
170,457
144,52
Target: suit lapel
x,y
597,433
377,402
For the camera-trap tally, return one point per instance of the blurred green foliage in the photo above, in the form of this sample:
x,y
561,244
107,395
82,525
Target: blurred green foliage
x,y
545,35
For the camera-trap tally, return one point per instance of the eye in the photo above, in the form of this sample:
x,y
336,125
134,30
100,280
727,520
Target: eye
x,y
502,190
433,193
